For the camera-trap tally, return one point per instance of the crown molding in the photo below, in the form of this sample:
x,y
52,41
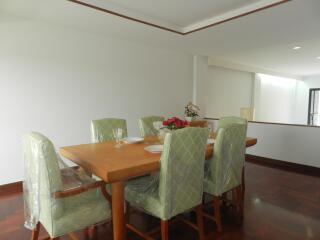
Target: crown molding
x,y
181,30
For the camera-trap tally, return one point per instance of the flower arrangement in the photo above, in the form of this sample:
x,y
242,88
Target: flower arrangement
x,y
174,123
191,110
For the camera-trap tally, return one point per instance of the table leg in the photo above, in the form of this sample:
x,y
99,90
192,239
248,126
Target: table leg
x,y
118,217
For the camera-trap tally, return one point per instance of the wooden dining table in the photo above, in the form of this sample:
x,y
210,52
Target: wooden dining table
x,y
117,165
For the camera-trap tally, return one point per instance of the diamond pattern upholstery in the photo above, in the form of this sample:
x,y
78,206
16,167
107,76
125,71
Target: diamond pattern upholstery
x,y
179,185
101,130
225,121
223,172
43,178
146,125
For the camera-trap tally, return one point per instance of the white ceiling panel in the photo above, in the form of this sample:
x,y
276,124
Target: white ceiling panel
x,y
264,39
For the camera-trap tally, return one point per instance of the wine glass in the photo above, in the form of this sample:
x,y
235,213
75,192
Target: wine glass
x,y
117,134
211,130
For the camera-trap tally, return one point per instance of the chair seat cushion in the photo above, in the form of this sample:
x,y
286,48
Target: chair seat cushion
x,y
81,211
143,193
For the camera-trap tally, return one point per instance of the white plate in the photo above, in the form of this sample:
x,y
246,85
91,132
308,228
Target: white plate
x,y
130,140
210,141
154,148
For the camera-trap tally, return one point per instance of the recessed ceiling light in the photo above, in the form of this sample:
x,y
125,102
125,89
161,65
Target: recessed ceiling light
x,y
296,48
318,58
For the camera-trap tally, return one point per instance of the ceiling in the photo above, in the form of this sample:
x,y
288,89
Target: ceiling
x,y
261,40
181,13
182,16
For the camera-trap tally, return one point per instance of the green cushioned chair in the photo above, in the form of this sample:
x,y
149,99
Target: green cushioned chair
x,y
224,171
48,200
178,187
146,125
101,130
225,121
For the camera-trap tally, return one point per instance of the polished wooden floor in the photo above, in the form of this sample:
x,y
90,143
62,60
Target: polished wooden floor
x,y
279,205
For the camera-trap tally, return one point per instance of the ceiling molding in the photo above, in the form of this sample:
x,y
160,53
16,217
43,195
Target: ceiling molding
x,y
207,23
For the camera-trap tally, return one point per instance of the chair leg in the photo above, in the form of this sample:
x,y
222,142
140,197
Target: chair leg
x,y
87,233
94,231
238,201
243,184
199,213
203,199
241,202
235,199
127,212
35,232
217,213
164,230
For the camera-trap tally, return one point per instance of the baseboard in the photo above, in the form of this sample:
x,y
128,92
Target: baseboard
x,y
11,188
288,166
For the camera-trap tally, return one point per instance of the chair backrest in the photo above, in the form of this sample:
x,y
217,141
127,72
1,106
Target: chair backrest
x,y
146,125
225,121
42,178
225,168
101,130
182,170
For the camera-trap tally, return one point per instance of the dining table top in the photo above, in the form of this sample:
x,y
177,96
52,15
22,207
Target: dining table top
x,y
118,164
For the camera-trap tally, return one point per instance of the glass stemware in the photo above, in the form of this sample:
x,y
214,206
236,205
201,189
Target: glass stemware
x,y
211,130
117,134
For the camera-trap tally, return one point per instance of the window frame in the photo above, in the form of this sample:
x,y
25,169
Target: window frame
x,y
311,90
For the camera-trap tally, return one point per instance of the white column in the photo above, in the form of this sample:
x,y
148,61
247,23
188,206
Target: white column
x,y
200,78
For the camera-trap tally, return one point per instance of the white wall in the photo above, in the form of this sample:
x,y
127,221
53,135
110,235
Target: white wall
x,y
56,80
300,106
227,91
312,81
287,143
280,100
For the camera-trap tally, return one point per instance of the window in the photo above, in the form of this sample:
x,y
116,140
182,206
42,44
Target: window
x,y
314,107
